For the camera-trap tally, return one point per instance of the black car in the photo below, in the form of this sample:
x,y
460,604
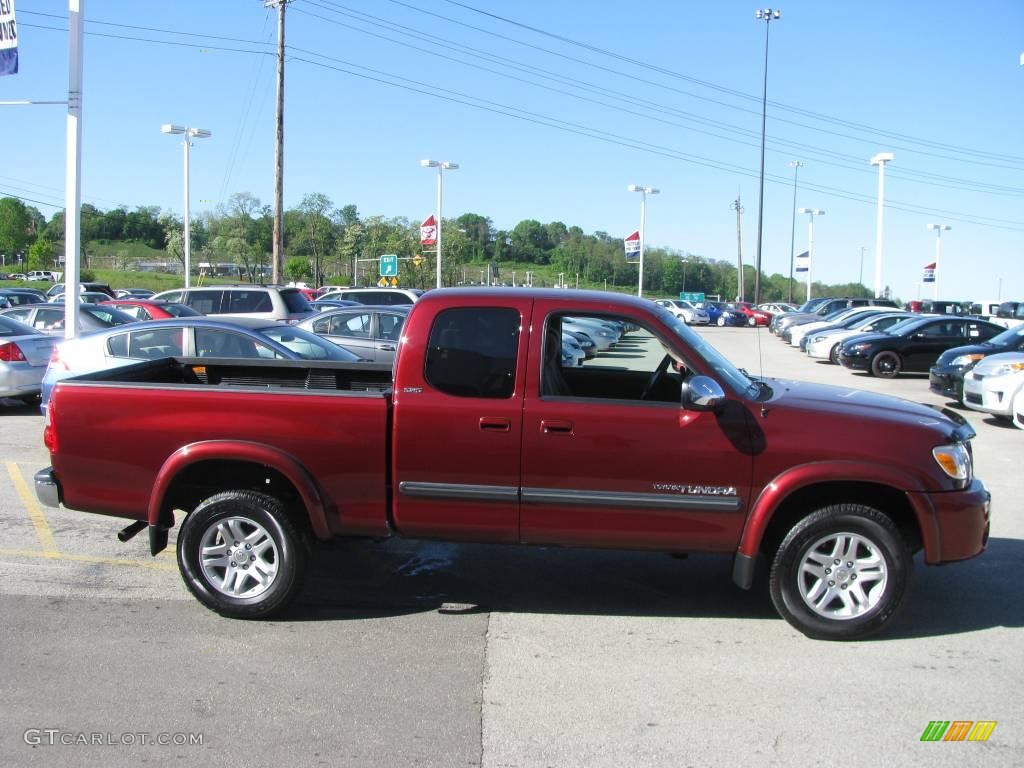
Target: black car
x,y
916,347
946,377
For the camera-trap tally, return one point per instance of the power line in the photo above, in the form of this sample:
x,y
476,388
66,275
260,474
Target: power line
x,y
421,88
714,86
856,163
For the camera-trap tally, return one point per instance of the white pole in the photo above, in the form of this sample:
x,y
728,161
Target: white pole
x,y
810,253
188,229
938,253
73,170
880,160
643,206
440,195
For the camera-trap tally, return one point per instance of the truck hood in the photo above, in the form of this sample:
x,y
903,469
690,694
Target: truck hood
x,y
864,408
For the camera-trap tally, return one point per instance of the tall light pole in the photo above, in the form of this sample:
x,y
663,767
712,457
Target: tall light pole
x,y
880,160
795,165
644,191
738,207
938,253
810,243
442,166
765,15
189,133
860,275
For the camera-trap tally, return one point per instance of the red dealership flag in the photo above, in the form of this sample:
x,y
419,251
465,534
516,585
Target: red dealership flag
x,y
632,243
428,231
929,273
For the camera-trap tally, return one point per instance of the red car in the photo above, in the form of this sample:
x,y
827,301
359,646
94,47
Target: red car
x,y
148,309
754,315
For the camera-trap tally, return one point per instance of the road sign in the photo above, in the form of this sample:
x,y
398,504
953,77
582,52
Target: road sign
x,y
417,260
382,283
389,265
695,296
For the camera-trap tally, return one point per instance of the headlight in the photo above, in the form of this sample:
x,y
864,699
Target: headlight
x,y
1006,368
862,347
954,460
963,360
816,339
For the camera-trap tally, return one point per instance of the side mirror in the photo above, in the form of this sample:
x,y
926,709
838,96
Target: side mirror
x,y
702,393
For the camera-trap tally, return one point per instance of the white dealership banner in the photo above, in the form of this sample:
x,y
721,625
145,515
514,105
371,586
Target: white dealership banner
x,y
8,39
929,273
428,231
632,243
803,262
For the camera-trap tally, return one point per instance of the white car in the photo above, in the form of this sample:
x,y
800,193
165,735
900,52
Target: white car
x,y
801,330
689,314
993,384
824,345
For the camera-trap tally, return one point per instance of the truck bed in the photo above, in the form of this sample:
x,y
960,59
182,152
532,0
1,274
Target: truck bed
x,y
120,428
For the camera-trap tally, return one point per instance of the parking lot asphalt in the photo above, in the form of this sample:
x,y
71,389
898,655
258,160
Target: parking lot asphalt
x,y
421,653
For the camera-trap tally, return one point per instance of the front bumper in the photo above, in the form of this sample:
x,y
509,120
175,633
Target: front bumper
x,y
961,523
946,383
855,362
48,489
993,394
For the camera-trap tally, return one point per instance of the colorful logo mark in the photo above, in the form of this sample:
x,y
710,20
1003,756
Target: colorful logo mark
x,y
958,730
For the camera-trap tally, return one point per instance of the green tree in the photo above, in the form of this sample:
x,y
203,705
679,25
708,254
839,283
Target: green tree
x,y
317,228
40,255
15,226
296,268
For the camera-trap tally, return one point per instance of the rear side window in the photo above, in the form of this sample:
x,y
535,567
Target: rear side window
x,y
248,301
206,302
472,352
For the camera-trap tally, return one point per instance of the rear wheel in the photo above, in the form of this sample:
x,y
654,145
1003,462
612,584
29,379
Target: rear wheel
x,y
841,573
721,321
240,555
886,365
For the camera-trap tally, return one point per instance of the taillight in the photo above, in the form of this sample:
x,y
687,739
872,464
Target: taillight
x,y
49,430
55,359
11,353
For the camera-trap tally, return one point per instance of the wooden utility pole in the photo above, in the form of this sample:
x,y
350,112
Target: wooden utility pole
x,y
736,206
277,260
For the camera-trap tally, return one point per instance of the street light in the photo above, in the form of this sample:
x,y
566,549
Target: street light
x,y
796,165
189,133
766,15
810,243
938,253
644,191
880,160
441,165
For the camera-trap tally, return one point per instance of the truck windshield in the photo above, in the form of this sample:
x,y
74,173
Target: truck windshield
x,y
738,381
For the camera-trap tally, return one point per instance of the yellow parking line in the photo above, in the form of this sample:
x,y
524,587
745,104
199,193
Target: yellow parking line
x,y
151,565
35,512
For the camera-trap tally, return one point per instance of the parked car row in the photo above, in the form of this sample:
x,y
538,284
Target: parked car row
x,y
970,360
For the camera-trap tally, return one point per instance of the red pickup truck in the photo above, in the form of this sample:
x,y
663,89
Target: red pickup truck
x,y
481,435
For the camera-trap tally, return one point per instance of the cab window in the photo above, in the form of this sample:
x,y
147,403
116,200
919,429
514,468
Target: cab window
x,y
472,352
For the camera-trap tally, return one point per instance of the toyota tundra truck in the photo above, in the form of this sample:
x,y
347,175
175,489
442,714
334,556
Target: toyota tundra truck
x,y
479,434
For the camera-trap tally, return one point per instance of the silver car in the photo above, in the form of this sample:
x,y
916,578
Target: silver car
x,y
690,314
24,355
993,384
370,332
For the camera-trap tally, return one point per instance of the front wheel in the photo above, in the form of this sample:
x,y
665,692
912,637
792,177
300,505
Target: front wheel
x,y
240,555
833,354
721,321
841,573
886,365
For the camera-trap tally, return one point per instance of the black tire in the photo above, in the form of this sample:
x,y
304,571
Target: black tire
x,y
833,354
249,518
886,365
31,399
881,559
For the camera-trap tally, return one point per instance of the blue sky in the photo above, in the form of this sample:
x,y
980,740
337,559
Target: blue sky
x,y
665,94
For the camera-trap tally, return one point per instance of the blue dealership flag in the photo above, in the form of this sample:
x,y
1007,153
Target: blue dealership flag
x,y
803,261
8,39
